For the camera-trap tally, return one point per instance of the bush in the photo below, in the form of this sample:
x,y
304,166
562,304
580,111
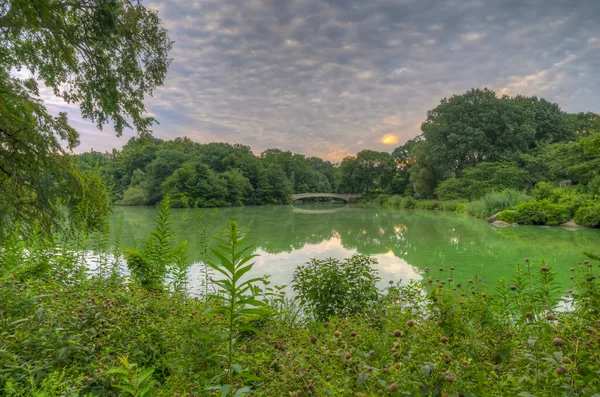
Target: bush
x,y
588,216
383,199
331,287
395,201
426,204
407,202
135,195
493,202
508,216
542,212
593,186
543,191
451,205
483,177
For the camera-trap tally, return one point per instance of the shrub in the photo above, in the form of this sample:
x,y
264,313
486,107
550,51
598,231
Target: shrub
x,y
426,204
451,205
407,202
493,202
135,195
542,212
332,287
481,178
543,190
508,216
383,199
395,201
593,186
588,216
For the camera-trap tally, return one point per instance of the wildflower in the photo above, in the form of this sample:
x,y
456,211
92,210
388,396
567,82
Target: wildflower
x,y
443,339
313,339
441,269
328,378
526,260
513,287
20,237
529,315
561,370
393,387
550,317
348,356
391,282
410,323
496,368
572,269
449,378
397,333
426,270
452,268
353,334
544,269
326,325
565,360
470,281
558,342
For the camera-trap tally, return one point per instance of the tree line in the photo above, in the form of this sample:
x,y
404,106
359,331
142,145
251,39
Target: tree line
x,y
470,144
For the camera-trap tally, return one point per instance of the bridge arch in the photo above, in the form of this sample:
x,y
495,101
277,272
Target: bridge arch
x,y
345,197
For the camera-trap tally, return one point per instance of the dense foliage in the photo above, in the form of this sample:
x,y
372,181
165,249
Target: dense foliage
x,y
331,287
211,175
72,330
103,55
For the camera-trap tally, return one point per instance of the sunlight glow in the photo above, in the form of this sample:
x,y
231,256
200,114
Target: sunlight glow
x,y
389,139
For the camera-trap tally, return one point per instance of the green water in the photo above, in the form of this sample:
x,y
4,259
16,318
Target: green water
x,y
403,241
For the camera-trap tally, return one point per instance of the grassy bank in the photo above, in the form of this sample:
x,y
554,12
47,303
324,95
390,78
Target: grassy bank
x,y
545,205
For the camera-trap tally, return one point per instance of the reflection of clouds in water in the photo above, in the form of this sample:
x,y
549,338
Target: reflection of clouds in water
x,y
280,267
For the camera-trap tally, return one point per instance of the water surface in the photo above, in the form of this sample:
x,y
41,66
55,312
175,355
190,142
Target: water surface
x,y
404,242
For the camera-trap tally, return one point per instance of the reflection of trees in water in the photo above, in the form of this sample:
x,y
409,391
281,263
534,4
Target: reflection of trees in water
x,y
423,239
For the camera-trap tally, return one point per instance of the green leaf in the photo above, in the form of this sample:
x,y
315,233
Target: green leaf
x,y
145,375
147,390
225,390
242,391
126,388
117,370
252,329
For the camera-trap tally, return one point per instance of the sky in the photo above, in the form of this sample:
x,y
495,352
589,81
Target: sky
x,y
329,78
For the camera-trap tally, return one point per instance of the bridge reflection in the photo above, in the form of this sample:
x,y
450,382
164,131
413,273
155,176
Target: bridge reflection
x,y
320,212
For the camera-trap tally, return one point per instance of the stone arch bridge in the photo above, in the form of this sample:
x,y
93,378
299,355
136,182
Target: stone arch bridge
x,y
345,197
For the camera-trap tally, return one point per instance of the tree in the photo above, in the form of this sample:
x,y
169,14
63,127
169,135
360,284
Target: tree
x,y
194,184
368,170
478,126
405,158
163,165
104,55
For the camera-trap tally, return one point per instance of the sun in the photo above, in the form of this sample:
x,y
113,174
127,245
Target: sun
x,y
389,139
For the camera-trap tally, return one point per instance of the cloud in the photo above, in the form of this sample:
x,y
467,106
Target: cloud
x,y
332,77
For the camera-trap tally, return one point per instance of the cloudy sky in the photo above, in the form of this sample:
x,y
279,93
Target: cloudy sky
x,y
332,77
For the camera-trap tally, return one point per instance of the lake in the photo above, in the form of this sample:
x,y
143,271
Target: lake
x,y
404,242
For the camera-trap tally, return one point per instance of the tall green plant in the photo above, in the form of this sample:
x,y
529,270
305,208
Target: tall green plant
x,y
205,226
236,298
160,259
